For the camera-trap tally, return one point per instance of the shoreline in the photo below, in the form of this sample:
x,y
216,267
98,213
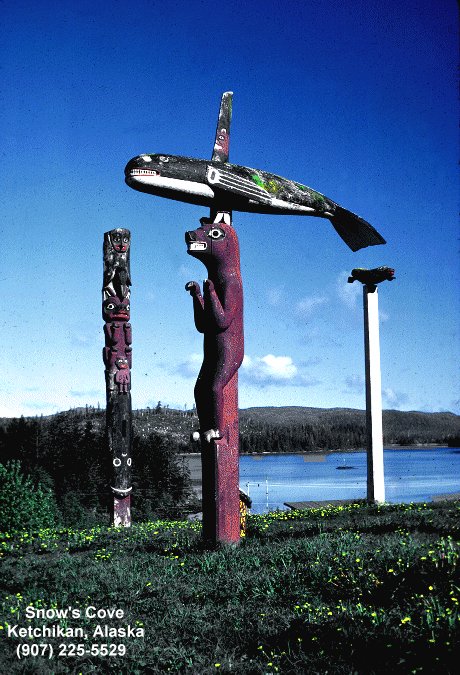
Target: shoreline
x,y
316,453
193,463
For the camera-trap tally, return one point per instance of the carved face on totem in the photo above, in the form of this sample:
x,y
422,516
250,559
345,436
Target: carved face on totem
x,y
120,239
213,242
122,463
114,309
117,462
222,142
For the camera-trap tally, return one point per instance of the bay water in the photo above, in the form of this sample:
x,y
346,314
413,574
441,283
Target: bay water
x,y
411,475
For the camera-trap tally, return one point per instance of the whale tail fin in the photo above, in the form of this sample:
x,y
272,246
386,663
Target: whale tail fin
x,y
355,231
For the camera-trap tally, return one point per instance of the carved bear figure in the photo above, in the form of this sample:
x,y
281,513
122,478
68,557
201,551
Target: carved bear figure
x,y
218,315
117,275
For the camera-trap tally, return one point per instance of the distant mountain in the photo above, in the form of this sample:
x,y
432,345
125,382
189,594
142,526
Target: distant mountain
x,y
394,421
345,428
277,429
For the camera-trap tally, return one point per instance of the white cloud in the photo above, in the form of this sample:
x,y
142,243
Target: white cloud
x,y
259,371
394,399
270,367
348,293
87,394
307,305
86,338
190,367
81,339
355,383
276,370
11,409
275,295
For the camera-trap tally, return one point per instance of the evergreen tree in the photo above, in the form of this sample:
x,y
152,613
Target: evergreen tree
x,y
23,504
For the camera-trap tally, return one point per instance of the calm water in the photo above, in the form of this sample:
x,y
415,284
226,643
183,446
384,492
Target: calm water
x,y
410,476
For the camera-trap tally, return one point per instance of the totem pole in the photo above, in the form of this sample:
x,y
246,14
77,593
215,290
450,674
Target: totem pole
x,y
225,187
374,430
218,315
117,360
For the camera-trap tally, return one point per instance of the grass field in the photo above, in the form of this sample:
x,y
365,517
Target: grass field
x,y
345,589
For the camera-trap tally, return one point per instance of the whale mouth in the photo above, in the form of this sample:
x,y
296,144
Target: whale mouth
x,y
143,172
197,246
120,492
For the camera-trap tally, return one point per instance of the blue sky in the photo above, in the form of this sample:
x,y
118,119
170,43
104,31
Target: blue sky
x,y
358,100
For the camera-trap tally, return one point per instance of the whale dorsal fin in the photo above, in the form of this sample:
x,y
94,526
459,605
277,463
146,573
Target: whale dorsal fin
x,y
222,142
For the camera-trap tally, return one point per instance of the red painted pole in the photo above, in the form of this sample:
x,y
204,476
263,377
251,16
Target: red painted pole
x,y
218,315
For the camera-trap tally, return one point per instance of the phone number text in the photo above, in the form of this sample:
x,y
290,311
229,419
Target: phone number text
x,y
24,650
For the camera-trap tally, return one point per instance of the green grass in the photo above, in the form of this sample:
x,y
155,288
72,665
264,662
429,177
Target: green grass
x,y
348,589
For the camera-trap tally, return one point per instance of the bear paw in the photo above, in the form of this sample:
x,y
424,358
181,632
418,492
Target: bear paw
x,y
212,435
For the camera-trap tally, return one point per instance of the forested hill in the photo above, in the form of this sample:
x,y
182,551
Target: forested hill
x,y
267,429
66,453
340,428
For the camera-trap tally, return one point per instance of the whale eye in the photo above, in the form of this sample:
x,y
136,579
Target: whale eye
x,y
110,306
216,233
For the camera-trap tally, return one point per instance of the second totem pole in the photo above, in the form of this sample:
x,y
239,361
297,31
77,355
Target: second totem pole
x,y
218,314
117,360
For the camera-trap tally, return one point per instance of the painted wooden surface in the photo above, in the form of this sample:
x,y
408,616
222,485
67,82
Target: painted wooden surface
x,y
117,356
226,187
218,314
375,471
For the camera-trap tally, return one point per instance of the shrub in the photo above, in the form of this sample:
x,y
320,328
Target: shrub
x,y
23,504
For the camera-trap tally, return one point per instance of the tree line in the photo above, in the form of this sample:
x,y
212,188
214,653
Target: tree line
x,y
66,455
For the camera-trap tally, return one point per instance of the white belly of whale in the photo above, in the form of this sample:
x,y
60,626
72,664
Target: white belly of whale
x,y
176,184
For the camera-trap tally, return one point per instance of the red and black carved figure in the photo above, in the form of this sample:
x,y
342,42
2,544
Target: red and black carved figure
x,y
117,356
218,314
118,338
117,276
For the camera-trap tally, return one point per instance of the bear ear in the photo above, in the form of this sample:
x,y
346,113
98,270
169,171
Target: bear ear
x,y
220,217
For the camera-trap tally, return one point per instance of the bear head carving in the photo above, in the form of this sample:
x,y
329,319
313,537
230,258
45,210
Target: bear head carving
x,y
213,244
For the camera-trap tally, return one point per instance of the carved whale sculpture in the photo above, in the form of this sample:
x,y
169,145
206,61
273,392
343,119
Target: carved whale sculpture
x,y
224,187
218,315
373,276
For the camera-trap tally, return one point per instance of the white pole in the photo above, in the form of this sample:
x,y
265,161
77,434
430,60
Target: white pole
x,y
375,474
